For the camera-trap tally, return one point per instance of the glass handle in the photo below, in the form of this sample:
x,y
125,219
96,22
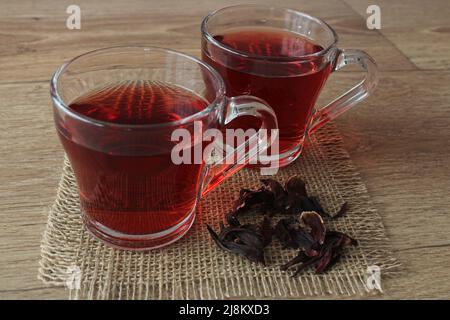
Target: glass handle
x,y
354,95
234,159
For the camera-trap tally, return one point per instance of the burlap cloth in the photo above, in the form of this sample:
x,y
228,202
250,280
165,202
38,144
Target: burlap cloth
x,y
194,267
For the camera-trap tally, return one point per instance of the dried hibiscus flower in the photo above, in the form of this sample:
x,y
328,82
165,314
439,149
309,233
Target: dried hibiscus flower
x,y
273,197
306,235
266,230
329,253
253,200
315,222
292,235
296,186
244,240
279,194
318,247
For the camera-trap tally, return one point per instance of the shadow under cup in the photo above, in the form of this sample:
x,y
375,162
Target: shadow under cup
x,y
132,195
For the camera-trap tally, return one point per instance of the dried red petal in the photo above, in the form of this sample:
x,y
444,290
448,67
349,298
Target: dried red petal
x,y
295,185
274,186
324,261
318,207
342,211
314,221
266,230
292,235
300,258
248,200
240,240
232,220
339,239
307,263
279,194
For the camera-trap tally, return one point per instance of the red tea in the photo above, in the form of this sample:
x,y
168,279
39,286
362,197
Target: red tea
x,y
267,68
128,183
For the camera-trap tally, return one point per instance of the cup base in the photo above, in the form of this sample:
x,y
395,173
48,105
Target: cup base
x,y
290,156
139,242
282,160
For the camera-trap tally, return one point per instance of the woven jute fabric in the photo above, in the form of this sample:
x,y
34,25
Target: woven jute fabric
x,y
195,268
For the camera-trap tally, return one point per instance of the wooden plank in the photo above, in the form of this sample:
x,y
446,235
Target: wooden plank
x,y
424,276
35,293
398,138
399,142
35,41
421,30
405,179
29,167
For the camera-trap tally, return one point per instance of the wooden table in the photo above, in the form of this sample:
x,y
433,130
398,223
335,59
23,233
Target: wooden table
x,y
399,138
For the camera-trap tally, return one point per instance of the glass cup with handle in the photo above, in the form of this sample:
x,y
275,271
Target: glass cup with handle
x,y
116,111
284,57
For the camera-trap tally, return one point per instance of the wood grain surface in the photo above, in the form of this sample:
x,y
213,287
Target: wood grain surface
x,y
399,138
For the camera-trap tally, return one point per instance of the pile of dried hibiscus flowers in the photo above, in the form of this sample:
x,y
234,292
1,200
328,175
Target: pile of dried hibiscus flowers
x,y
303,229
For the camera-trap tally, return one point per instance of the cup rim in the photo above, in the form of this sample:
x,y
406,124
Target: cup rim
x,y
210,38
59,102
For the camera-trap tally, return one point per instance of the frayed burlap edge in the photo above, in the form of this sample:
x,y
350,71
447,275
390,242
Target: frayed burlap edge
x,y
194,268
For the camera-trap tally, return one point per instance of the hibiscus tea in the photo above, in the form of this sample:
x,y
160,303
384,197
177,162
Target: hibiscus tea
x,y
128,184
277,66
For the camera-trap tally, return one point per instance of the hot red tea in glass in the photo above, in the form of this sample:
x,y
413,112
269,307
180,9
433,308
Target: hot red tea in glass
x,y
121,186
283,57
115,111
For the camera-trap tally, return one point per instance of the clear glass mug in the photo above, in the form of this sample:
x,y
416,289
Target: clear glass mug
x,y
240,42
132,194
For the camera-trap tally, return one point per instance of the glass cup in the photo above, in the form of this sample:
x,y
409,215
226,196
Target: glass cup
x,y
284,57
132,194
